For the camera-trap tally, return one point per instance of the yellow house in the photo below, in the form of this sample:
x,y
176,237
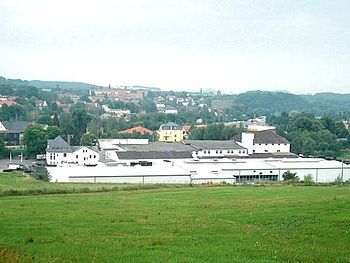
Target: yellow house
x,y
170,132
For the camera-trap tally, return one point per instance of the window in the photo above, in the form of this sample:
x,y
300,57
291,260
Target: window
x,y
266,151
259,143
64,155
95,156
76,156
253,151
204,151
90,156
278,151
209,151
239,151
217,151
220,151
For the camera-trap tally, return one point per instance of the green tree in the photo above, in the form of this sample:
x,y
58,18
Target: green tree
x,y
35,139
56,121
3,150
45,119
88,139
52,132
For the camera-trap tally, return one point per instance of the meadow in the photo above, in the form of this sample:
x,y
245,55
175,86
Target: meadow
x,y
272,223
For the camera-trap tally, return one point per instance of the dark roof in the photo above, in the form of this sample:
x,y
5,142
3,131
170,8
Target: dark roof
x,y
58,145
268,136
16,126
131,155
170,126
213,144
159,147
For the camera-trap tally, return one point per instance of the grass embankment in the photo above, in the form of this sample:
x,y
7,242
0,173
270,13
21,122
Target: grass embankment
x,y
191,224
17,183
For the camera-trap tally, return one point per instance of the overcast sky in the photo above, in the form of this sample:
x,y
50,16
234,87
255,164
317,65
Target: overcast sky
x,y
238,45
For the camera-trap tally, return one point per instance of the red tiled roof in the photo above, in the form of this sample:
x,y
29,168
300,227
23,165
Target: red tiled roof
x,y
7,102
187,127
139,129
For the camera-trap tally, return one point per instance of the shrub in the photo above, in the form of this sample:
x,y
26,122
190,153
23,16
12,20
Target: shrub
x,y
308,179
290,177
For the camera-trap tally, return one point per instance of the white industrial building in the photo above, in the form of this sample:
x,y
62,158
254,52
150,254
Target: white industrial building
x,y
196,171
190,161
267,141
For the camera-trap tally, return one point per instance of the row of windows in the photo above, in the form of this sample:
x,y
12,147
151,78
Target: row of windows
x,y
221,151
77,156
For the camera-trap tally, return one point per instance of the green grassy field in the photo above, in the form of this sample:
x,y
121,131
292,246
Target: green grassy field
x,y
15,184
189,224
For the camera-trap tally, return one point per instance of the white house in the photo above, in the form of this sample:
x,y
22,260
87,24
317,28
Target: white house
x,y
59,152
267,141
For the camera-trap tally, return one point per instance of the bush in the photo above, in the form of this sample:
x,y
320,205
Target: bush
x,y
41,173
308,179
290,177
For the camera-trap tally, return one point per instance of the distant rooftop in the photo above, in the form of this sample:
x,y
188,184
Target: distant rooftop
x,y
159,146
214,144
267,136
58,145
15,126
170,126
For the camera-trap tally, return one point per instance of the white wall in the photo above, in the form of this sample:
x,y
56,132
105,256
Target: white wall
x,y
85,156
58,158
271,148
219,153
247,141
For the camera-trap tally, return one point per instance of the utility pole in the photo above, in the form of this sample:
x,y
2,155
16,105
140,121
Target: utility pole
x,y
342,172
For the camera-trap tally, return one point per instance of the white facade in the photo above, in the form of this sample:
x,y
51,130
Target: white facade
x,y
215,153
181,171
253,147
81,156
85,156
271,148
58,158
170,111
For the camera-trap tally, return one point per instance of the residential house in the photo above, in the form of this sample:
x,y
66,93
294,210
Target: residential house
x,y
138,129
7,103
59,152
170,132
13,132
